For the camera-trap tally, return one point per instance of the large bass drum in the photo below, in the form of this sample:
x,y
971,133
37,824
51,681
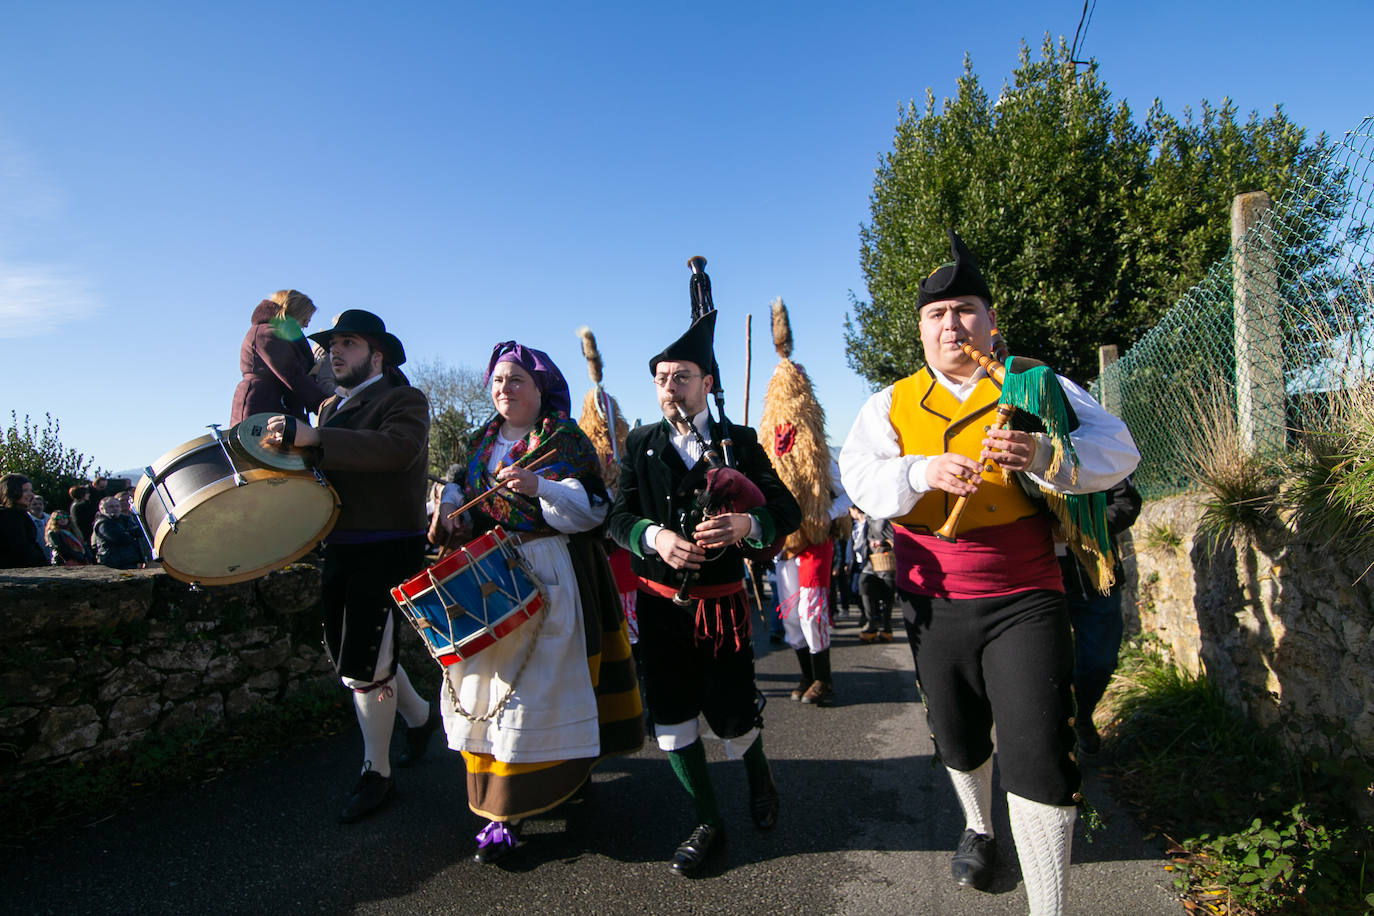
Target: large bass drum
x,y
223,508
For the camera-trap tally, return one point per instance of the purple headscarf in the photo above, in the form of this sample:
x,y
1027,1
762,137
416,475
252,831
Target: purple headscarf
x,y
551,383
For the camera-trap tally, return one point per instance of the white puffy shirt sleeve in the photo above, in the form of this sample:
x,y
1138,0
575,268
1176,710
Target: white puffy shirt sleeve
x,y
1106,451
879,479
567,507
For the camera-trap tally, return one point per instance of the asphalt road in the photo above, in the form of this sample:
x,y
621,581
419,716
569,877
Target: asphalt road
x,y
867,827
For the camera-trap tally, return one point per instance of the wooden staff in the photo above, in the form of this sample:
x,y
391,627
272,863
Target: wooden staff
x,y
997,372
748,350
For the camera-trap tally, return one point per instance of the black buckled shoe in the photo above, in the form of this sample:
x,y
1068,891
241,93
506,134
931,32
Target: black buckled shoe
x,y
417,738
695,850
974,860
372,792
764,803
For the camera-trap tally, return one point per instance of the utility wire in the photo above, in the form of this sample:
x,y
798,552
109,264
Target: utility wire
x,y
1081,33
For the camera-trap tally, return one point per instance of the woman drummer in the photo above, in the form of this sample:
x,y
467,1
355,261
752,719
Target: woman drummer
x,y
525,712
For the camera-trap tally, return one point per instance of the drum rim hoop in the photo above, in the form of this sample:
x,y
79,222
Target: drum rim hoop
x,y
205,493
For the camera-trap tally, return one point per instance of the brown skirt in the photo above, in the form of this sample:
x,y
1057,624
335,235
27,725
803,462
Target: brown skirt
x,y
511,791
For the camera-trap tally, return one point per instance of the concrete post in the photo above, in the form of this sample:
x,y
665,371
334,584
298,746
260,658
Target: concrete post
x,y
1110,389
1260,397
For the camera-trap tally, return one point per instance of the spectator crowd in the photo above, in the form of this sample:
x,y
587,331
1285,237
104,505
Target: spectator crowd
x,y
90,523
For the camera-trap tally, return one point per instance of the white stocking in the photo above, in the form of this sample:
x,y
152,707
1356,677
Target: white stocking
x,y
376,718
974,790
414,708
1044,840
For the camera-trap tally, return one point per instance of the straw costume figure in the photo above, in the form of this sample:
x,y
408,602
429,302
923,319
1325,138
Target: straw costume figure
x,y
792,430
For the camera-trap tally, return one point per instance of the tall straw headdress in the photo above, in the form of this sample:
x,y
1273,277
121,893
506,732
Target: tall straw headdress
x,y
601,414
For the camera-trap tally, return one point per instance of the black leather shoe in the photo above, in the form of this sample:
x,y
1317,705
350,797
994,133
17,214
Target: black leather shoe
x,y
974,860
417,738
496,840
763,804
372,792
694,851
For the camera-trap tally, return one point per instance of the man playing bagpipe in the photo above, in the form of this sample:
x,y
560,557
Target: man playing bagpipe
x,y
984,606
694,623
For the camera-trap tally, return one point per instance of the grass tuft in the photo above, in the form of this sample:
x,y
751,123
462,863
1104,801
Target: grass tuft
x,y
1253,829
1241,488
1160,537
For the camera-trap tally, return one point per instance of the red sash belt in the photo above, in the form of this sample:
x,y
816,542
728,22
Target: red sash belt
x,y
731,621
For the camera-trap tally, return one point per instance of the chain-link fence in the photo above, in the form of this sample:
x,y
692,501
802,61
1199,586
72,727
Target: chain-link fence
x,y
1280,323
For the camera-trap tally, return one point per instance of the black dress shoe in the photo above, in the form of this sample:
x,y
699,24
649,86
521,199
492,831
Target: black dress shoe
x,y
372,792
417,738
495,841
694,851
974,860
763,804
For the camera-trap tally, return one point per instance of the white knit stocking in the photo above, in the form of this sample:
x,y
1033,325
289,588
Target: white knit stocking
x,y
1044,838
974,791
376,718
414,708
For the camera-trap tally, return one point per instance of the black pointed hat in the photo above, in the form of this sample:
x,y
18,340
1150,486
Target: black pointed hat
x,y
959,277
696,345
365,324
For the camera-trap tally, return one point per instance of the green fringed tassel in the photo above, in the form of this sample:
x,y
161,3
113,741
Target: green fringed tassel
x,y
1036,390
1083,518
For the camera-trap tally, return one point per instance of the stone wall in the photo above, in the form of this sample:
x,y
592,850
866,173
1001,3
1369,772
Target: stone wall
x,y
1280,626
95,659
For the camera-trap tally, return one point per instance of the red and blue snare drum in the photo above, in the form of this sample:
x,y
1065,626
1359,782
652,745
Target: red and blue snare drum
x,y
471,598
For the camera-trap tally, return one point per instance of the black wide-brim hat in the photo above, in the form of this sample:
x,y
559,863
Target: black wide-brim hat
x,y
959,277
697,345
365,324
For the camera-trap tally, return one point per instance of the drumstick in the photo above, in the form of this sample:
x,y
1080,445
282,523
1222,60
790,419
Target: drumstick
x,y
543,459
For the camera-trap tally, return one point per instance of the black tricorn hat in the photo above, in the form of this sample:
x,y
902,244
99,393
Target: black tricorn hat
x,y
959,277
696,345
365,324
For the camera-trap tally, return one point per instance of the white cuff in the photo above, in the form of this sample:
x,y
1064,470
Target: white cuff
x,y
916,475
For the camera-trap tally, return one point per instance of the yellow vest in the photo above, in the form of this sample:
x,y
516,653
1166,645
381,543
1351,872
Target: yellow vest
x,y
929,420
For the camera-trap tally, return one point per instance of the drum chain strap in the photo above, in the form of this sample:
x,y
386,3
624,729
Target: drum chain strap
x,y
529,653
501,704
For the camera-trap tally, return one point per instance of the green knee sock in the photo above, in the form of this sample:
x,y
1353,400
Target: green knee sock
x,y
756,765
690,766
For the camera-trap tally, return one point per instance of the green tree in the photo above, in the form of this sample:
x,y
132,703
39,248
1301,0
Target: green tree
x,y
1088,225
38,455
458,404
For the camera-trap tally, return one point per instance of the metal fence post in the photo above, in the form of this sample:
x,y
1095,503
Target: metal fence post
x,y
1259,352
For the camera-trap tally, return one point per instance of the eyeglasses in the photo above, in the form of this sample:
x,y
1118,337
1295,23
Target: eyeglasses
x,y
677,378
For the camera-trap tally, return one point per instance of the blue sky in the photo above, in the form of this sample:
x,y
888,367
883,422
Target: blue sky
x,y
476,172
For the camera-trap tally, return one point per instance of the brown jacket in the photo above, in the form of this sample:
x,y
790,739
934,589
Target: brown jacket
x,y
375,452
276,372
